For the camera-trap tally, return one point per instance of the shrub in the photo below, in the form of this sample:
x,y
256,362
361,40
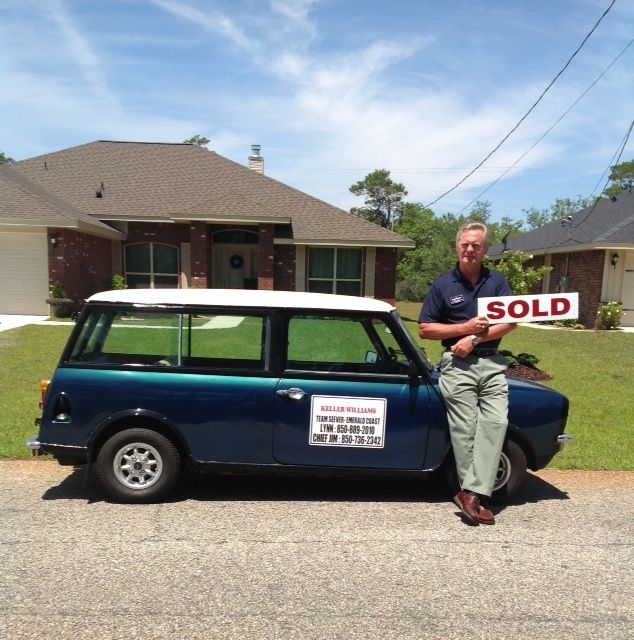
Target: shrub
x,y
118,282
57,291
609,315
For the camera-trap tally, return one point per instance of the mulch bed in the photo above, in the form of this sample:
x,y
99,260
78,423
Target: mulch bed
x,y
524,372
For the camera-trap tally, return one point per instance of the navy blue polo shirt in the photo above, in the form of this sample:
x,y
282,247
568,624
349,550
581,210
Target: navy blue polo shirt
x,y
452,299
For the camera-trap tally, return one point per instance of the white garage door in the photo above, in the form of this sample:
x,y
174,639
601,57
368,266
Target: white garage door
x,y
627,294
23,273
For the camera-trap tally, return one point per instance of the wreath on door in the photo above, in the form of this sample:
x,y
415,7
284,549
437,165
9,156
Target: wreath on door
x,y
236,261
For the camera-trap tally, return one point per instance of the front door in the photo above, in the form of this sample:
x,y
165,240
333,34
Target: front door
x,y
235,266
345,398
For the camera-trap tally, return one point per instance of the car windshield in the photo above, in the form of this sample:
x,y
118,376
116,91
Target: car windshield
x,y
413,343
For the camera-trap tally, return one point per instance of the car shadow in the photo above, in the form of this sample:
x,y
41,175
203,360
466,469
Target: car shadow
x,y
212,487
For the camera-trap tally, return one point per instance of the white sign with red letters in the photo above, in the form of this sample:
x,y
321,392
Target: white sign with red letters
x,y
546,306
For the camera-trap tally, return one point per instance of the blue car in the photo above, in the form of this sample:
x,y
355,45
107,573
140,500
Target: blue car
x,y
155,381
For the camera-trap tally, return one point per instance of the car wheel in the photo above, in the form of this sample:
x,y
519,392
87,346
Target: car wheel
x,y
138,465
511,472
510,475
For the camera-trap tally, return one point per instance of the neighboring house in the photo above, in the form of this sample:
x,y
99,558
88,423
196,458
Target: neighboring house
x,y
591,252
176,215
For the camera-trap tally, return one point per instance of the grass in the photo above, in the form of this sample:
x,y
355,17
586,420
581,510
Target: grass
x,y
593,368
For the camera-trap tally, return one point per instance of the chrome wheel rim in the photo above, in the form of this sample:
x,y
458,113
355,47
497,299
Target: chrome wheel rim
x,y
138,465
503,473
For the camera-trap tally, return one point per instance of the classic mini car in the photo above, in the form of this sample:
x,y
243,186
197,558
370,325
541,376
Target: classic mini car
x,y
152,381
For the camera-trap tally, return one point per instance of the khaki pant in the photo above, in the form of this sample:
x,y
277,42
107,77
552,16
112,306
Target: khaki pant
x,y
476,395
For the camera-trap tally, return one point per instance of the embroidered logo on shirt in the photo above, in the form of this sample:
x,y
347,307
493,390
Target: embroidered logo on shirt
x,y
456,299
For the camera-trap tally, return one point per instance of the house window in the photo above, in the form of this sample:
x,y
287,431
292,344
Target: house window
x,y
335,271
151,265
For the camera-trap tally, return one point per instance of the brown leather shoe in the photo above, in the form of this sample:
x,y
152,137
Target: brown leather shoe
x,y
469,505
485,515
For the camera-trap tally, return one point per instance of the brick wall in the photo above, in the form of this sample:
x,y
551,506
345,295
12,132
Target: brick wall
x,y
585,271
284,267
82,263
265,257
385,274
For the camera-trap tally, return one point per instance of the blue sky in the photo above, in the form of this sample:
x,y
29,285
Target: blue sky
x,y
333,89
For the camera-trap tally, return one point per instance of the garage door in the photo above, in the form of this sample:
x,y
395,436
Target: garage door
x,y
627,295
23,273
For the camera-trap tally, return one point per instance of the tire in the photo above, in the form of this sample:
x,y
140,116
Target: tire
x,y
511,472
138,466
509,478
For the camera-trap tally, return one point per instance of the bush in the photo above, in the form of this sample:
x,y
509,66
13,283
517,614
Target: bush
x,y
609,315
118,282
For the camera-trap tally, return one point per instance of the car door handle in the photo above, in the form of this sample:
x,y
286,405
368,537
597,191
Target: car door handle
x,y
293,393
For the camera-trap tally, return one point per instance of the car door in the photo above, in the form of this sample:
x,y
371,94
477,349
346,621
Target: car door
x,y
346,399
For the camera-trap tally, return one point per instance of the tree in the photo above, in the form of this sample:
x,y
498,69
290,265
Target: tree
x,y
201,141
562,208
383,198
622,178
4,158
521,278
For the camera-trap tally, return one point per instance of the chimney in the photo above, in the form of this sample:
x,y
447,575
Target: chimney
x,y
256,161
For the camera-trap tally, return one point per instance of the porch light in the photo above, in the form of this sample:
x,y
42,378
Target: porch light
x,y
614,260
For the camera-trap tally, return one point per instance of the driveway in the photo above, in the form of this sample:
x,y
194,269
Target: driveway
x,y
314,558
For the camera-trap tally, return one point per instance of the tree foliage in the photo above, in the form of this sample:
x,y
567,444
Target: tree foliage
x,y
201,141
383,198
4,158
521,278
622,178
560,209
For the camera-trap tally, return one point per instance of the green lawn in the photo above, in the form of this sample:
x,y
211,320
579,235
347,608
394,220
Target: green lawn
x,y
594,369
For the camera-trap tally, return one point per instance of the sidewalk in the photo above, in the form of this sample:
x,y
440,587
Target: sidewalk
x,y
12,321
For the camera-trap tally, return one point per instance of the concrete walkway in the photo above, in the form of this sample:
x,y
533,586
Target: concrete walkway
x,y
13,320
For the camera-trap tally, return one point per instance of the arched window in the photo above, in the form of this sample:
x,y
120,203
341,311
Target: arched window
x,y
151,265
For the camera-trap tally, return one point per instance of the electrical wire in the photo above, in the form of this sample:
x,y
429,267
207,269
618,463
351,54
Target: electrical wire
x,y
613,163
508,135
563,115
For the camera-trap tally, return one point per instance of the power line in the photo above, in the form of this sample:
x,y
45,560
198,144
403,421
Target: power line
x,y
508,135
613,162
563,115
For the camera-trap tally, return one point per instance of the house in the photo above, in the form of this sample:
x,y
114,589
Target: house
x,y
591,252
176,215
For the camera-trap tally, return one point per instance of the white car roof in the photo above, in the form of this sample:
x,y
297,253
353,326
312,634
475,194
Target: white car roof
x,y
241,298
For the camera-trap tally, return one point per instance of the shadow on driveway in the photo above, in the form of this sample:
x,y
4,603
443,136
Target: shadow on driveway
x,y
428,488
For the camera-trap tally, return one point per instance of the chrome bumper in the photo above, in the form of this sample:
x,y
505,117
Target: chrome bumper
x,y
563,439
34,445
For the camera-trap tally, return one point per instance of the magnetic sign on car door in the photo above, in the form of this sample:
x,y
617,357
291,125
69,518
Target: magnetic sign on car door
x,y
340,421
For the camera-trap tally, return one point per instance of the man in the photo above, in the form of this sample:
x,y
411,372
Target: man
x,y
472,378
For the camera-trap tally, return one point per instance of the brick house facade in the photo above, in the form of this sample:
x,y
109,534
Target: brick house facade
x,y
178,215
591,253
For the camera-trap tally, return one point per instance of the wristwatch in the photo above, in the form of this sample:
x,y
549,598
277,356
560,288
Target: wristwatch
x,y
475,341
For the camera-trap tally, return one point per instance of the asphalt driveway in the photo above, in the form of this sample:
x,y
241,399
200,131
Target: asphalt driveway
x,y
313,558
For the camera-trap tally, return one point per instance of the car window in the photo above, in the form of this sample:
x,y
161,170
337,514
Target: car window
x,y
345,344
171,339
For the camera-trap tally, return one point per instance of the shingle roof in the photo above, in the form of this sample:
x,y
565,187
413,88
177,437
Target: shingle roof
x,y
608,224
155,181
24,203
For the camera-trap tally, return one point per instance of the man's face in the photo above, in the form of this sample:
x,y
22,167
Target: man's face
x,y
471,248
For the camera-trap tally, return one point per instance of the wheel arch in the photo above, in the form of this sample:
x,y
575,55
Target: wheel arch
x,y
138,419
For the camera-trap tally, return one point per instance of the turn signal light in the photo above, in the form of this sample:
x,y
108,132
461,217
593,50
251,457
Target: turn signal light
x,y
43,388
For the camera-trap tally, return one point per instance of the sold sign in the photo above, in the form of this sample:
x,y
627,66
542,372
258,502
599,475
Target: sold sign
x,y
547,306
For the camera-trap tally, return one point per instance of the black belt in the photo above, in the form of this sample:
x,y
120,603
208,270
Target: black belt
x,y
481,353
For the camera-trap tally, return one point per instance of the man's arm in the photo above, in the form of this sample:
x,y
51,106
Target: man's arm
x,y
441,331
465,346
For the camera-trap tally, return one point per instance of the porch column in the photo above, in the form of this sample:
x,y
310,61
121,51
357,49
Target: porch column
x,y
265,257
200,255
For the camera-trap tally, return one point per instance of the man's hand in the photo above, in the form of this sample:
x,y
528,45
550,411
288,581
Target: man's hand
x,y
479,324
463,347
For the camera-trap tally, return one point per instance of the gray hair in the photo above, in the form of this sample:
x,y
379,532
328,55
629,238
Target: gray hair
x,y
474,226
